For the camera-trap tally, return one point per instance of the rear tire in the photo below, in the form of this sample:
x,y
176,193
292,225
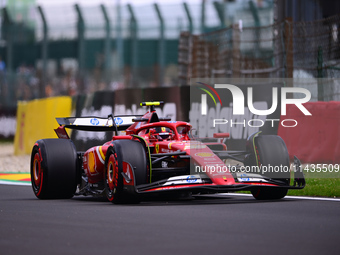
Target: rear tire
x,y
271,152
54,168
129,151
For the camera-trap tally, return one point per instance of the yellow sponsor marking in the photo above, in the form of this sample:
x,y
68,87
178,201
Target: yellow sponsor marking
x,y
91,162
101,153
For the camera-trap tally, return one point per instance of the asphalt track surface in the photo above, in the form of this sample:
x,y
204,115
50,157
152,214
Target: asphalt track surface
x,y
211,225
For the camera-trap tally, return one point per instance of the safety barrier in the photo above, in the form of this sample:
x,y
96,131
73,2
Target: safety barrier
x,y
316,138
36,120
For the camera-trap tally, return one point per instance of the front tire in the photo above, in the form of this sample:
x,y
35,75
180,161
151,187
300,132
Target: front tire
x,y
271,152
54,169
133,153
269,193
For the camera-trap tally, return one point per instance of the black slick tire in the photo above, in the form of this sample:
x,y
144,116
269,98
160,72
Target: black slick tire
x,y
54,169
133,153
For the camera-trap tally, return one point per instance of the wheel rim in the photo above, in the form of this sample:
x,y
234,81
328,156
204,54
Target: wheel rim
x,y
37,174
37,170
112,175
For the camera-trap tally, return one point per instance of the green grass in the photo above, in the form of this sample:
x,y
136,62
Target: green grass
x,y
319,187
320,182
316,187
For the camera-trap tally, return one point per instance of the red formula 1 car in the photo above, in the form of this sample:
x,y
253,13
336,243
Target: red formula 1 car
x,y
157,156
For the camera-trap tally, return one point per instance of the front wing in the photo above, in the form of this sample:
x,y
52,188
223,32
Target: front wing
x,y
201,184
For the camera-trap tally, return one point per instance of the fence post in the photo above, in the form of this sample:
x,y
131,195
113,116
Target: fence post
x,y
320,74
161,47
8,87
107,45
7,26
219,7
81,45
134,45
119,39
184,58
257,24
187,11
203,5
236,68
44,54
289,48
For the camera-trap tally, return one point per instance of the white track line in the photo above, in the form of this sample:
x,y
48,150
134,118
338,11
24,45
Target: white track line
x,y
292,197
15,183
315,198
218,194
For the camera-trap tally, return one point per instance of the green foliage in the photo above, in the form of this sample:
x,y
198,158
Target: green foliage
x,y
320,187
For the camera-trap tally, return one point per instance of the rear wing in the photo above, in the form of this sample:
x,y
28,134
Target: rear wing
x,y
111,123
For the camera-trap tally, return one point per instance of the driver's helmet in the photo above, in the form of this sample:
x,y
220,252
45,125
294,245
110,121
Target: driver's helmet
x,y
161,133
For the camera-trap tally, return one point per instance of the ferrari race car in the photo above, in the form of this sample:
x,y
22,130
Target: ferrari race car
x,y
158,157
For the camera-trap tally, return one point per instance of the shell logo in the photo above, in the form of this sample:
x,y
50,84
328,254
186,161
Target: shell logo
x,y
204,154
91,163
